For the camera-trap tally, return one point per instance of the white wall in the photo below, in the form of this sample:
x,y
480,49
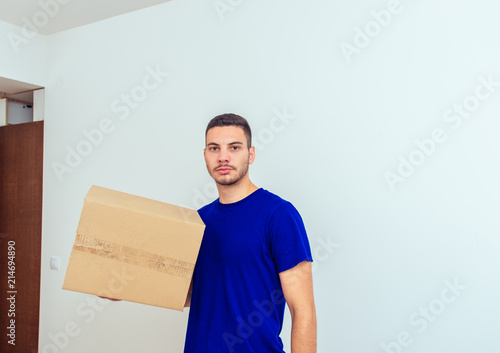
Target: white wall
x,y
19,113
383,255
23,54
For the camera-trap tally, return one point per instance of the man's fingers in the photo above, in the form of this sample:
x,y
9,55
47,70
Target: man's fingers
x,y
114,300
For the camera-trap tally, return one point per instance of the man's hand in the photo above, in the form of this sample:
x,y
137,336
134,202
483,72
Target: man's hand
x,y
298,291
114,300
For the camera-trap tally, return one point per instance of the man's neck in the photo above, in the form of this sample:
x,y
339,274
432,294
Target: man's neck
x,y
236,192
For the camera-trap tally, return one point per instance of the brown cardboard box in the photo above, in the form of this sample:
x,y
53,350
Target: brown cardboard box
x,y
136,249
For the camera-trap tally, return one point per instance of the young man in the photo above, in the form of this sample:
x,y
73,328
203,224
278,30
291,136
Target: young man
x,y
254,258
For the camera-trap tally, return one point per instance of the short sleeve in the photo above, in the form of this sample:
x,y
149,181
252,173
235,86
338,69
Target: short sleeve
x,y
288,239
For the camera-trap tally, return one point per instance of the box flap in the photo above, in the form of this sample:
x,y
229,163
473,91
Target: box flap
x,y
161,209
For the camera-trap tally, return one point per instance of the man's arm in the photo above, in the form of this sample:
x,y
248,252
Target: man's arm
x,y
187,304
298,291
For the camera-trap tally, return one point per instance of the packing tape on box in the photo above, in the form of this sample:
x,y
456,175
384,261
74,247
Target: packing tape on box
x,y
133,256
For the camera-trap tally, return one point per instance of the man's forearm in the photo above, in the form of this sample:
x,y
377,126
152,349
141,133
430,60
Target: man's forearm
x,y
304,334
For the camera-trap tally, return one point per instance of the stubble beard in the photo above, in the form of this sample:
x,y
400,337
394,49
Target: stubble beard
x,y
223,180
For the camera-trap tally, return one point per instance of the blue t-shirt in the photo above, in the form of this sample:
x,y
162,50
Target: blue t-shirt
x,y
237,305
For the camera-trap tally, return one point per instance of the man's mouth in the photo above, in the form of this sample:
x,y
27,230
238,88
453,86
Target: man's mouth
x,y
224,170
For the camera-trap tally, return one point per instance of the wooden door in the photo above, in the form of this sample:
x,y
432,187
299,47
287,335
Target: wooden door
x,y
21,173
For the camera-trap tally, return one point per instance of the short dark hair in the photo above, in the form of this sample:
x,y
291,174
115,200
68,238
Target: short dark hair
x,y
230,119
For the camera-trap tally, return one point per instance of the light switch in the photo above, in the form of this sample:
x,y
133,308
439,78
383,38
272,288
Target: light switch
x,y
55,263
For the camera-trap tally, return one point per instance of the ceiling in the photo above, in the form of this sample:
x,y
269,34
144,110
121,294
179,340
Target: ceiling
x,y
59,15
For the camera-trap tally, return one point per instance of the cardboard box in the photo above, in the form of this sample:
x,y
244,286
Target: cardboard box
x,y
136,249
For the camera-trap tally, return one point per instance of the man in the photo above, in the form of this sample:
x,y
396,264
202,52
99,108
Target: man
x,y
254,258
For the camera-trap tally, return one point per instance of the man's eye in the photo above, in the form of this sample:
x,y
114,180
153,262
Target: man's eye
x,y
235,148
213,148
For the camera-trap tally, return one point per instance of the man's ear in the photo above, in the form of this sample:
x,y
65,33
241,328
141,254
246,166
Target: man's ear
x,y
251,156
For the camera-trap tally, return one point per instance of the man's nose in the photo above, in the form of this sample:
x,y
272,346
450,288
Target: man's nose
x,y
223,156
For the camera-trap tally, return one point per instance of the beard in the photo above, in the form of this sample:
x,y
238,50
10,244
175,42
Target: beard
x,y
230,179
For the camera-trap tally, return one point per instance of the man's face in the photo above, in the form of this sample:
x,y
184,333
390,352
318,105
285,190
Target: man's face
x,y
227,155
